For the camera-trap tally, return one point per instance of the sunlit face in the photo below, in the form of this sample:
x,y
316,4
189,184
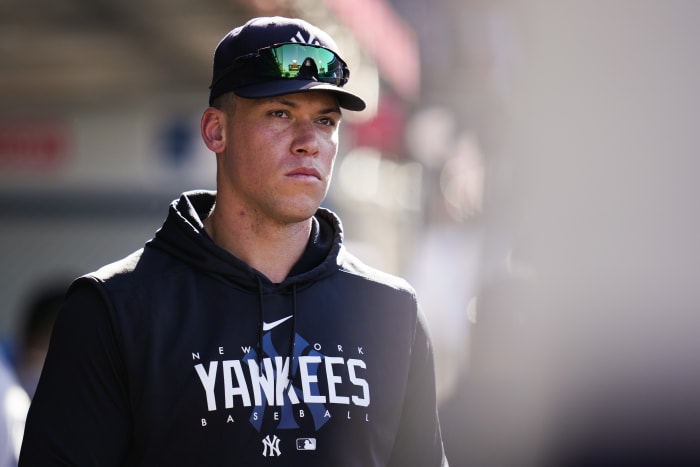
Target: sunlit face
x,y
279,155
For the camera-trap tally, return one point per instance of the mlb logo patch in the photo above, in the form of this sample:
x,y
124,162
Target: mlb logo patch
x,y
306,444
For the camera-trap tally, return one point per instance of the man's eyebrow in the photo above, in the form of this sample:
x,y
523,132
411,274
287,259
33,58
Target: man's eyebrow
x,y
332,110
290,103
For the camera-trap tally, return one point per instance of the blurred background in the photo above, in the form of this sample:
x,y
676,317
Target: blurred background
x,y
531,167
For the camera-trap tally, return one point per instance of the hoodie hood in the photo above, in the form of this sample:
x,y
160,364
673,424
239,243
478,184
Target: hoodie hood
x,y
183,236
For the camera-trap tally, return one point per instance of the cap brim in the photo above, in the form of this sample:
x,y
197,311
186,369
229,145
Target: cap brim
x,y
346,99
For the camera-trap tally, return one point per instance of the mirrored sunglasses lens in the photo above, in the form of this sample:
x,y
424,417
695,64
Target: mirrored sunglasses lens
x,y
308,62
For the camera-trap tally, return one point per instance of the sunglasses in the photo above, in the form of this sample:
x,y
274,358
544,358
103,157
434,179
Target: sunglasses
x,y
288,61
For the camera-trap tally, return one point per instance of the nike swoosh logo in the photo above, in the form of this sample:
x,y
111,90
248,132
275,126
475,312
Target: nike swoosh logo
x,y
274,324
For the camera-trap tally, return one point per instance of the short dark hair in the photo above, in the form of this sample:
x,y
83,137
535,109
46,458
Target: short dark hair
x,y
225,102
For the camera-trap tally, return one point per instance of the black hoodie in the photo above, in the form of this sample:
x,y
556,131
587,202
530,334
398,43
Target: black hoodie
x,y
183,355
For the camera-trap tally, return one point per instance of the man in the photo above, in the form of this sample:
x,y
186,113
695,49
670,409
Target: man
x,y
244,333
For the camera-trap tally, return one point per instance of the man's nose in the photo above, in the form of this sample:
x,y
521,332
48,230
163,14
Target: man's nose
x,y
305,139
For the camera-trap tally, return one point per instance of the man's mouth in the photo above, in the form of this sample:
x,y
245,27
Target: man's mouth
x,y
303,172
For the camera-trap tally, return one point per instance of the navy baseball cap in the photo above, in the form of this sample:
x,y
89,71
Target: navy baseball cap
x,y
271,56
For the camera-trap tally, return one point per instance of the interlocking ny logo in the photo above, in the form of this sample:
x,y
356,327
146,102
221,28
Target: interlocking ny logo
x,y
271,447
300,38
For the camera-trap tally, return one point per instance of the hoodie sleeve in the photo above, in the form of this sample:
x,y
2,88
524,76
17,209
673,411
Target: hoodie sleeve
x,y
80,412
419,440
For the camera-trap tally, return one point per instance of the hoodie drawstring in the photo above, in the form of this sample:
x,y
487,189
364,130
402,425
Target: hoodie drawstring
x,y
261,319
261,332
292,341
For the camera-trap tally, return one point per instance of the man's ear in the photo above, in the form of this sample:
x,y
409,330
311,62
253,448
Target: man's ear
x,y
213,129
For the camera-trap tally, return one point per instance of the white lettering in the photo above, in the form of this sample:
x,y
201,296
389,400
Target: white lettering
x,y
204,422
333,398
208,379
340,348
195,356
229,419
364,399
282,365
229,389
221,350
307,379
270,381
245,350
260,381
359,351
317,347
301,413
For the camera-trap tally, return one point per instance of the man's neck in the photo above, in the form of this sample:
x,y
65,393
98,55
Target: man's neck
x,y
270,248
